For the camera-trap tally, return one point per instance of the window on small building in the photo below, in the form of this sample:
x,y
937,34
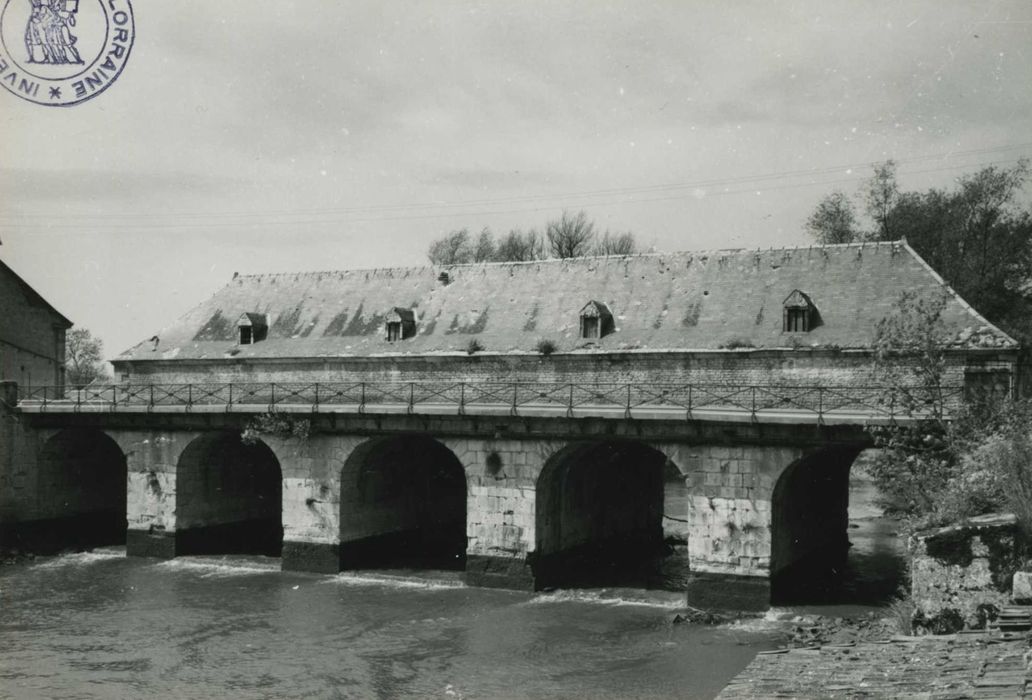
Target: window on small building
x,y
797,321
596,321
800,313
252,328
589,327
400,324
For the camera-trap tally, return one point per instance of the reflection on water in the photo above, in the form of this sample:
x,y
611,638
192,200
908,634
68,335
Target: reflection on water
x,y
98,625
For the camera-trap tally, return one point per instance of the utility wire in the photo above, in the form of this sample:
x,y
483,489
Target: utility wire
x,y
369,214
585,193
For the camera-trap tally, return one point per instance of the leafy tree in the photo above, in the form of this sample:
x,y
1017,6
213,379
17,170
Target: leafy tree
x,y
616,244
455,248
84,361
834,220
978,236
948,461
916,459
570,236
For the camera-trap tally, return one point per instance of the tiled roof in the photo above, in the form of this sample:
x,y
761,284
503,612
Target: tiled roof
x,y
678,301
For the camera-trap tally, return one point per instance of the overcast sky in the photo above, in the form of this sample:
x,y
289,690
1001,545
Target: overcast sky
x,y
286,136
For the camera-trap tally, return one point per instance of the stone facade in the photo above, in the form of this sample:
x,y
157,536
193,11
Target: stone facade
x,y
32,334
32,350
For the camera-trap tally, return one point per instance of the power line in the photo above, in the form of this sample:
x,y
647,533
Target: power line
x,y
529,198
272,219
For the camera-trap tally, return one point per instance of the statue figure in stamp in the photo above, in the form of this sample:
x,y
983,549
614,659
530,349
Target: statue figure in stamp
x,y
48,36
60,53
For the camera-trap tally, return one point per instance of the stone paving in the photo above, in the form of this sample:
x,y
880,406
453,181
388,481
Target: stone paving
x,y
967,665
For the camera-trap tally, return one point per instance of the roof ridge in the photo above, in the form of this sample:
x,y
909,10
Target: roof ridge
x,y
553,261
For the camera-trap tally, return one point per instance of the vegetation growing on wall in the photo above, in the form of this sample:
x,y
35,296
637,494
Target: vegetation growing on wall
x,y
276,424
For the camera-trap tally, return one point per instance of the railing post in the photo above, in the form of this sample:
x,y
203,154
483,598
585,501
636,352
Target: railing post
x,y
569,405
627,410
150,403
411,397
462,398
114,397
515,397
753,391
189,396
272,396
315,407
361,398
44,398
229,405
690,402
820,405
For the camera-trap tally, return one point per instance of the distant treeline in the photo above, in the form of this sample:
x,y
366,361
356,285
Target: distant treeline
x,y
569,236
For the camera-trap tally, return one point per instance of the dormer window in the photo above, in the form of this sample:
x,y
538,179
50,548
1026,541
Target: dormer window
x,y
596,321
400,324
252,328
800,313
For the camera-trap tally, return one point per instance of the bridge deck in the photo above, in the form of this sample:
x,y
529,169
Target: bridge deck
x,y
725,403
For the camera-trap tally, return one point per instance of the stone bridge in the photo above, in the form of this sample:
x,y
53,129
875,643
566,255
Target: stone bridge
x,y
520,485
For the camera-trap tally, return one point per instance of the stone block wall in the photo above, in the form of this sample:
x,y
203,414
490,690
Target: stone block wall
x,y
730,505
19,446
31,369
312,486
742,367
960,574
152,460
501,477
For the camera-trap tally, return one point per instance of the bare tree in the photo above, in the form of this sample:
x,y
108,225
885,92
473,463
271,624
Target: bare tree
x,y
455,248
834,220
517,246
616,244
84,361
484,250
570,236
881,195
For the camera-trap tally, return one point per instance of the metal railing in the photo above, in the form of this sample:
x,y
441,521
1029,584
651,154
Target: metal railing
x,y
514,398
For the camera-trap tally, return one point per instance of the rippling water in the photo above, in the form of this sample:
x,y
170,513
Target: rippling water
x,y
99,625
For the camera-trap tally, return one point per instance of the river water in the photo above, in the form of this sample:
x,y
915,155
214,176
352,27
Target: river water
x,y
99,625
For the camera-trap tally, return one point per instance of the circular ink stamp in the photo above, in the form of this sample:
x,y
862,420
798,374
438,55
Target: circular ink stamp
x,y
63,52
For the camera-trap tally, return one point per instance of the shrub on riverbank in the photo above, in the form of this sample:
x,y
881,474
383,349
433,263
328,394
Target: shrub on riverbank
x,y
939,474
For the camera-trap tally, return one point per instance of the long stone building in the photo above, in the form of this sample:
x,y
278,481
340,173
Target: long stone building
x,y
422,412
